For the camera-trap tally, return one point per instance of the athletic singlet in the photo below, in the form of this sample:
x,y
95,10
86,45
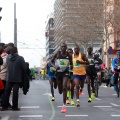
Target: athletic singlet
x,y
78,69
91,62
62,61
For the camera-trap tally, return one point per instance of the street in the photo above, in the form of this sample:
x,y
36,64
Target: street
x,y
37,105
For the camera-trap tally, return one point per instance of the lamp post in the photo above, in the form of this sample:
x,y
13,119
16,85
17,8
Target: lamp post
x,y
0,11
15,26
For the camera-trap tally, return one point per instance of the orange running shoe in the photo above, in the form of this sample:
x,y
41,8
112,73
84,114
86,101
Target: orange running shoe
x,y
63,110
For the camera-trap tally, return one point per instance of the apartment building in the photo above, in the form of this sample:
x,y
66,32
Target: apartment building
x,y
112,30
77,22
49,33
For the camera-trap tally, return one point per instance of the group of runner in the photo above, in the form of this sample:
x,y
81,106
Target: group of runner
x,y
68,69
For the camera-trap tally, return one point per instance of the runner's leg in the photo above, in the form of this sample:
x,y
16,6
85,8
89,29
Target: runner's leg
x,y
60,85
51,86
65,80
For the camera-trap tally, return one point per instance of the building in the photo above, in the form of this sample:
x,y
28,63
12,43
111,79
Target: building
x,y
112,41
77,22
43,63
49,33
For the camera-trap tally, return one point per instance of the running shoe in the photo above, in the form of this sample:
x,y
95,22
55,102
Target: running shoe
x,y
89,100
92,95
72,102
63,110
68,94
80,92
78,104
53,99
67,101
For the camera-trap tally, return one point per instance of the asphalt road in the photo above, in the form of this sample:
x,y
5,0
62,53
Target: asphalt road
x,y
36,105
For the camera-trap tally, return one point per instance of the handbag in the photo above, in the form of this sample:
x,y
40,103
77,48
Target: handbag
x,y
1,85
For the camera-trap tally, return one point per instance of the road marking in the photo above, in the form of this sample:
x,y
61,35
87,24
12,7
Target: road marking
x,y
115,115
102,106
48,94
5,118
30,116
53,109
76,115
97,98
114,94
30,107
114,104
66,106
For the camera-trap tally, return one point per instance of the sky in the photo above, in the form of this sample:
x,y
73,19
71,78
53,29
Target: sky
x,y
31,22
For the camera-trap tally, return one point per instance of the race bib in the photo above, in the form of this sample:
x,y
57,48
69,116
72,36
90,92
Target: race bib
x,y
63,64
91,61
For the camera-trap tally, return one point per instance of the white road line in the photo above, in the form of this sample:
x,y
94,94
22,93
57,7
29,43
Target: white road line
x,y
67,106
115,115
97,98
5,118
114,94
31,116
102,106
114,104
30,107
76,115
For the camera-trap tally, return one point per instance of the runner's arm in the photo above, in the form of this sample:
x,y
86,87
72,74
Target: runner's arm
x,y
71,63
85,60
53,61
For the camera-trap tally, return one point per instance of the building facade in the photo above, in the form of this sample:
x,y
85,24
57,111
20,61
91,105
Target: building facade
x,y
49,34
77,22
112,30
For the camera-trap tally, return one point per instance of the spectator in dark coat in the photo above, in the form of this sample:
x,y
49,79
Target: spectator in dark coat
x,y
15,68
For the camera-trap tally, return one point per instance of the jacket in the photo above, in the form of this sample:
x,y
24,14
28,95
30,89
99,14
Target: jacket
x,y
3,67
15,68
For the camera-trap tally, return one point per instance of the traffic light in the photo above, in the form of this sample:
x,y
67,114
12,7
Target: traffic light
x,y
0,11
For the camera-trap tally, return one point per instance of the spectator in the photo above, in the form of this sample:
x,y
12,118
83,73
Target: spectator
x,y
15,68
3,74
1,50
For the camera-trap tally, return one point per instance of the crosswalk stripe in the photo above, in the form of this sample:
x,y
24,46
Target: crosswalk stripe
x,y
97,98
76,115
115,115
102,106
114,104
30,116
30,107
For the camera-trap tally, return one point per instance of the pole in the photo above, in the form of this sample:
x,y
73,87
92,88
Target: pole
x,y
0,36
15,26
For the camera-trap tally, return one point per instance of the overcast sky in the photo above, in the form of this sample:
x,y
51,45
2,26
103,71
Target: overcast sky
x,y
31,16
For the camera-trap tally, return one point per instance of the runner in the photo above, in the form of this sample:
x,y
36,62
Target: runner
x,y
70,84
98,63
90,74
79,72
52,80
62,74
